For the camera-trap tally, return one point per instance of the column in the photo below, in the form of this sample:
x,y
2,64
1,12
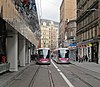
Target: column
x,y
26,53
22,51
90,53
87,51
12,51
29,59
99,53
29,53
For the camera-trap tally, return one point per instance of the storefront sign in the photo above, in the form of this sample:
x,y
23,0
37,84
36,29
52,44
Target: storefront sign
x,y
90,44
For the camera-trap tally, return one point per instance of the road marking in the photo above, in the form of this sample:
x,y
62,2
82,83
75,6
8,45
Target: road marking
x,y
67,81
63,76
54,64
58,70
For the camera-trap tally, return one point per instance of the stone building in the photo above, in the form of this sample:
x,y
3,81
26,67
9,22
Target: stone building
x,y
71,38
67,12
18,33
49,33
88,29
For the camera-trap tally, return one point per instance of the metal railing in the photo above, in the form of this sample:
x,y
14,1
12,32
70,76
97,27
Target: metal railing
x,y
4,67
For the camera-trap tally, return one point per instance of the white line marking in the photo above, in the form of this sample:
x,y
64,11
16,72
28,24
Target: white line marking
x,y
54,65
67,81
63,76
58,70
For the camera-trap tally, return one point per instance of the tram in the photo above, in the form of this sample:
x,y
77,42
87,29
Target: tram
x,y
43,56
61,55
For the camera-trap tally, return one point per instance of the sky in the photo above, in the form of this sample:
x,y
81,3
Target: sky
x,y
49,9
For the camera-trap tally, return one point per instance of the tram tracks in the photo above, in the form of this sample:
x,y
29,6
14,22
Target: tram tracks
x,y
50,77
87,73
51,82
23,77
34,77
79,77
31,84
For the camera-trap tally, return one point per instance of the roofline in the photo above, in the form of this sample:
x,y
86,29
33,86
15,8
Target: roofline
x,y
61,4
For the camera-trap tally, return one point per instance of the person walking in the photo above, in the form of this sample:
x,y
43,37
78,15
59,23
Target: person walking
x,y
86,58
81,59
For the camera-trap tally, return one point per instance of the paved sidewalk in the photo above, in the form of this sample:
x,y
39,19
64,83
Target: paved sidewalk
x,y
7,77
88,65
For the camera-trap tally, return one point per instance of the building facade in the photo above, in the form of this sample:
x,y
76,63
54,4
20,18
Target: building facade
x,y
71,38
18,32
71,31
49,34
67,12
88,29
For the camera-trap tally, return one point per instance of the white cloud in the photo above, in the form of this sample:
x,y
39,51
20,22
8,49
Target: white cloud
x,y
49,9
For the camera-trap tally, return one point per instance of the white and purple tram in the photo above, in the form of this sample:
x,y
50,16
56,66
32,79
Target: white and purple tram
x,y
61,55
43,56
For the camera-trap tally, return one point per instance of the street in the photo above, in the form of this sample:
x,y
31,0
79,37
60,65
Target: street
x,y
56,75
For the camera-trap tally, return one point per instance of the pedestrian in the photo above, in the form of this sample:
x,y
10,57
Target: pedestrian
x,y
86,58
32,56
76,56
4,59
81,59
36,56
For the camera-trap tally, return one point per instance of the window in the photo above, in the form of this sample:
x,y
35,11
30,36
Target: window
x,y
96,31
88,34
93,32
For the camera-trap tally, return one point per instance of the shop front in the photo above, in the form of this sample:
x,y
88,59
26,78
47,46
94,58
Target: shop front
x,y
4,65
72,52
95,47
3,58
84,51
92,52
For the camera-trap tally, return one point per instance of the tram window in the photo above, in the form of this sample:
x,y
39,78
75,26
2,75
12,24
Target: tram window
x,y
44,53
59,53
48,54
63,53
67,54
40,52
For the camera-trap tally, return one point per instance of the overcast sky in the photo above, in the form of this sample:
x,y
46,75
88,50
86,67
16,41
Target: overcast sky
x,y
49,9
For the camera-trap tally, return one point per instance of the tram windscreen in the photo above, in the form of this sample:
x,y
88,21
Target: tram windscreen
x,y
43,53
63,53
